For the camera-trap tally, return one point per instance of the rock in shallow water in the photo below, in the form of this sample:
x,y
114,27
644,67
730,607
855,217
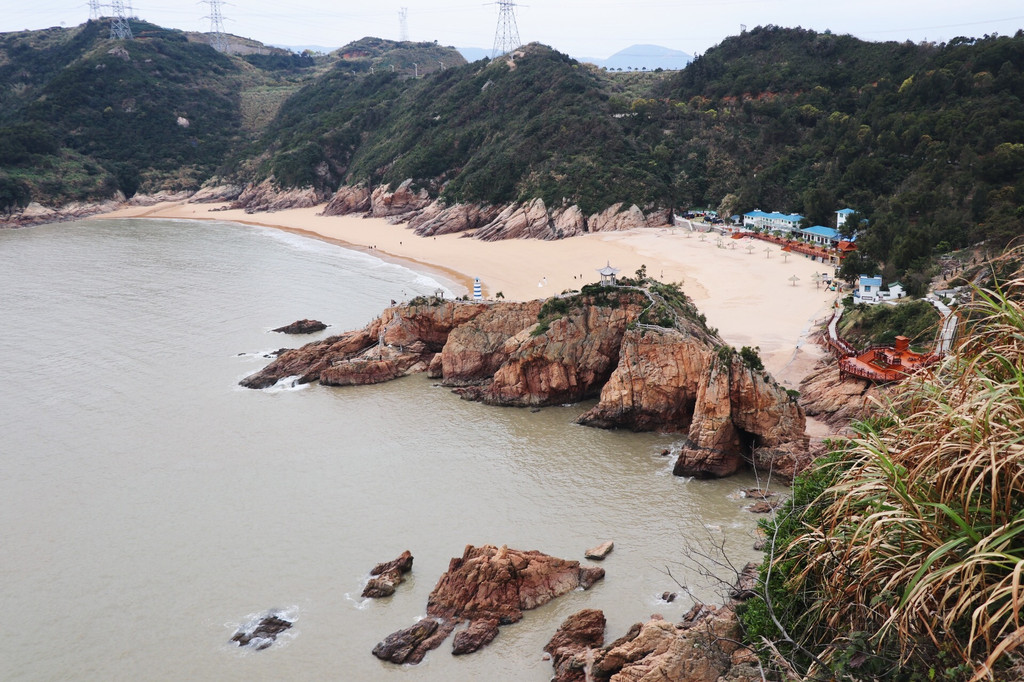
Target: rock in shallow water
x,y
261,632
485,585
302,327
387,576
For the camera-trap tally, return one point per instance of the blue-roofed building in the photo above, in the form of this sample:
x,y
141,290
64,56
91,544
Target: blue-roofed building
x,y
868,289
819,234
762,220
841,216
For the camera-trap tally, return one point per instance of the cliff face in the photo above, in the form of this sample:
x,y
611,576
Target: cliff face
x,y
567,363
680,379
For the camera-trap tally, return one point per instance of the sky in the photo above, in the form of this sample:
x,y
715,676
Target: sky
x,y
581,28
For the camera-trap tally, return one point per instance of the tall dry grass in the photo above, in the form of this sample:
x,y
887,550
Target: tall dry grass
x,y
921,549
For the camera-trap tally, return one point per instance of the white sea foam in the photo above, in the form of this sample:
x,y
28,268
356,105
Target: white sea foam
x,y
287,384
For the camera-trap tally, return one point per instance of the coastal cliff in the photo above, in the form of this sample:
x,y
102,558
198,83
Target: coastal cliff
x,y
643,351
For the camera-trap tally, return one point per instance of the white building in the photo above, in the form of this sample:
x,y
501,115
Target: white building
x,y
782,222
841,216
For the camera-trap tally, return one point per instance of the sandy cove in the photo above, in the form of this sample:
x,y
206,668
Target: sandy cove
x,y
747,293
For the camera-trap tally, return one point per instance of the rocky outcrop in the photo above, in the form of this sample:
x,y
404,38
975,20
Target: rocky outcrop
x,y
37,214
302,327
657,381
576,636
617,217
385,202
348,199
474,352
488,586
266,196
836,400
568,362
412,334
412,644
680,378
526,221
438,219
388,575
216,193
500,583
157,198
704,647
741,412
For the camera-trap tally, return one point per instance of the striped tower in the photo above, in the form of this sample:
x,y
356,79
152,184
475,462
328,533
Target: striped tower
x,y
477,290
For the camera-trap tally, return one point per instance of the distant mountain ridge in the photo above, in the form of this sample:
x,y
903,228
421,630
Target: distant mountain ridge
x,y
643,57
634,57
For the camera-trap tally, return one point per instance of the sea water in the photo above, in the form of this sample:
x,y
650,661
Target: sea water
x,y
149,506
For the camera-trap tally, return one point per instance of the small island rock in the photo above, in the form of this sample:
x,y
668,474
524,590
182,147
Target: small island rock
x,y
302,327
601,551
387,576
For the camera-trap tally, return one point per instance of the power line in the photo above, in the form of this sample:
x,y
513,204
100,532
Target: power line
x,y
506,37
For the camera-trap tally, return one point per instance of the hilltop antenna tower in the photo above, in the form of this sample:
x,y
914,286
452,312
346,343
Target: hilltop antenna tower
x,y
403,24
506,38
119,28
94,9
218,40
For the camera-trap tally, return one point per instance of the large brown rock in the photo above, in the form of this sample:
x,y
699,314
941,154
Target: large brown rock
x,y
568,362
525,221
681,378
740,414
836,400
306,326
411,644
348,199
474,352
656,383
500,583
488,586
569,647
216,193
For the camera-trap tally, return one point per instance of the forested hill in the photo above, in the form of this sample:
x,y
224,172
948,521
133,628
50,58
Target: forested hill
x,y
83,116
925,141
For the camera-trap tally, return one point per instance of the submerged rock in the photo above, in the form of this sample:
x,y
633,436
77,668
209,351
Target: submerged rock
x,y
262,631
302,327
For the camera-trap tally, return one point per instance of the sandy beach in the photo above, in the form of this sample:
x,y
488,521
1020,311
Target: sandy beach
x,y
744,287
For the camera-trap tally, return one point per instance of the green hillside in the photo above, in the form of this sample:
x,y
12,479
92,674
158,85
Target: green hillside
x,y
925,141
82,116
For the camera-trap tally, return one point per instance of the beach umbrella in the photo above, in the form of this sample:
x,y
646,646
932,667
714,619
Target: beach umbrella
x,y
477,290
794,279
